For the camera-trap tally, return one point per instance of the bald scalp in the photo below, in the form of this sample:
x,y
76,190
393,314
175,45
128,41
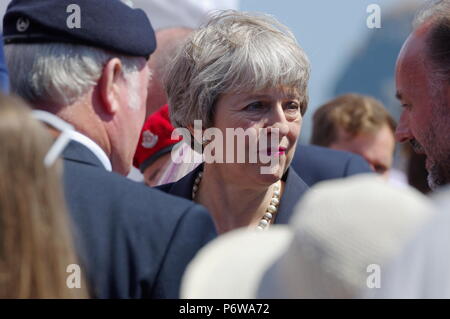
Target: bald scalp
x,y
169,41
433,23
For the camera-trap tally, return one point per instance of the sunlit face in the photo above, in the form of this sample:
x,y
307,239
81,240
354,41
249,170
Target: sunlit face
x,y
277,110
423,122
376,148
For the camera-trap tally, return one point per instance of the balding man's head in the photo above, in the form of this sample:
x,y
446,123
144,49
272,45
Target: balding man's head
x,y
423,88
169,41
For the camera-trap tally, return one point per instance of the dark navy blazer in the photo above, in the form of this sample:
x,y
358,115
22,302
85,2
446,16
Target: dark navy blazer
x,y
315,163
133,241
4,82
294,189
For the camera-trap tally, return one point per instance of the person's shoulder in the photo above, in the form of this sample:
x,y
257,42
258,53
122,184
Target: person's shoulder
x,y
165,187
122,194
115,216
182,187
324,153
316,163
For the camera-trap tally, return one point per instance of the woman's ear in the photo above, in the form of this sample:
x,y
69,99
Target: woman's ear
x,y
197,138
109,86
191,129
197,132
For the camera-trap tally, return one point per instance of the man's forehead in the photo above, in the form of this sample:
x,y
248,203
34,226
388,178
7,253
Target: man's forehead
x,y
412,52
411,60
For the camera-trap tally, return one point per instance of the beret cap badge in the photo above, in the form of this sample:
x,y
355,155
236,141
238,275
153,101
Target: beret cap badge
x,y
149,139
60,21
22,24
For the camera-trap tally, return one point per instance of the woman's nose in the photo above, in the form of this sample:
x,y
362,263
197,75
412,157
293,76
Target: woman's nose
x,y
277,120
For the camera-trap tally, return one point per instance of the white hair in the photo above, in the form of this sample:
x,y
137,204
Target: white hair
x,y
134,98
58,74
234,52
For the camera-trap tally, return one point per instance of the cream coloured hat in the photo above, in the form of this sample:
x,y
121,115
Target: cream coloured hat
x,y
341,234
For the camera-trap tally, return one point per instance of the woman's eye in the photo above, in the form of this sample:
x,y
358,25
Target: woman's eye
x,y
255,106
293,106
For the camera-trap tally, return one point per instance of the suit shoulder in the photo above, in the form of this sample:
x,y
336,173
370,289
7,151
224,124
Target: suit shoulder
x,y
122,193
324,154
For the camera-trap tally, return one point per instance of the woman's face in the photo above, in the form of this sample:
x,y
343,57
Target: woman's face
x,y
275,111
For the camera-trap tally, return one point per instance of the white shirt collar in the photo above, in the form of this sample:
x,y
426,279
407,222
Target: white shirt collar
x,y
80,138
93,147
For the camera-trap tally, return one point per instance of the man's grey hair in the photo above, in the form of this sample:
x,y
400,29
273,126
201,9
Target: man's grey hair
x,y
233,52
53,75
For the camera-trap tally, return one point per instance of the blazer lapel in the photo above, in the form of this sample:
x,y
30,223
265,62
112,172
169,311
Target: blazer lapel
x,y
183,188
294,189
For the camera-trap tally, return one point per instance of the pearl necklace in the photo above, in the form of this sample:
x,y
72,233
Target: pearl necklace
x,y
270,211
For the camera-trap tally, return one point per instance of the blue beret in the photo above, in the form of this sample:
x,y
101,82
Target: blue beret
x,y
107,24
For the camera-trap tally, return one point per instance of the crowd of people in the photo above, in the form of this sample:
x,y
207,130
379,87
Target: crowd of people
x,y
121,161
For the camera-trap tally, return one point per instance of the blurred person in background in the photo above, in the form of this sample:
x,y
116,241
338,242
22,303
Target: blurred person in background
x,y
133,240
422,81
169,41
248,72
4,81
358,124
35,233
316,163
153,154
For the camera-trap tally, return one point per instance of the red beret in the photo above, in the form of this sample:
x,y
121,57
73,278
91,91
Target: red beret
x,y
155,139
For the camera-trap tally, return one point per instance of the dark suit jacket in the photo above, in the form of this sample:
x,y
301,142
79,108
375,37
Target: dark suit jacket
x,y
315,164
133,241
294,189
4,81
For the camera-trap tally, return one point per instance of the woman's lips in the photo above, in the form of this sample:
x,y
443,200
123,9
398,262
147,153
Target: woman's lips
x,y
276,151
281,150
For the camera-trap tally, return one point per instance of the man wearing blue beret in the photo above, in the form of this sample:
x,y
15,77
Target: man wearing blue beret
x,y
84,62
4,82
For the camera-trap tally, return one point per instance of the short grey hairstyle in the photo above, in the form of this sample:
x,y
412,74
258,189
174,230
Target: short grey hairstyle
x,y
233,52
57,74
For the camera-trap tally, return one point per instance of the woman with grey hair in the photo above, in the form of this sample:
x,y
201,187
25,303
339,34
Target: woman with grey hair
x,y
245,73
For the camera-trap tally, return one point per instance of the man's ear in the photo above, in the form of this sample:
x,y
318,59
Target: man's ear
x,y
109,85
